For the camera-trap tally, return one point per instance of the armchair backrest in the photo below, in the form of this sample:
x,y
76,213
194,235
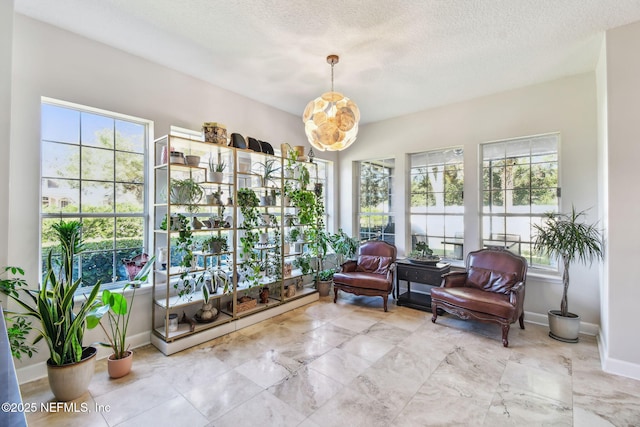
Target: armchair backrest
x,y
376,256
495,270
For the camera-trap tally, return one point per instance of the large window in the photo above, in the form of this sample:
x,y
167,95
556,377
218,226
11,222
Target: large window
x,y
375,218
437,208
93,171
519,185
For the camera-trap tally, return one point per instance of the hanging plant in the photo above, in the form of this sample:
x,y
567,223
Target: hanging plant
x,y
248,203
186,192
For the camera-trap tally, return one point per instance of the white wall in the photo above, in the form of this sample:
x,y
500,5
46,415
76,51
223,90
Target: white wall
x,y
6,38
623,109
603,190
567,105
54,63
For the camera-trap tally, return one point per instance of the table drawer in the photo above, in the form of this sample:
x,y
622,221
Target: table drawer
x,y
419,275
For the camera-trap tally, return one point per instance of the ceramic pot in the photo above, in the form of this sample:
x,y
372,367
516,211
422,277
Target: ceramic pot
x,y
192,160
215,176
564,328
324,287
118,368
68,382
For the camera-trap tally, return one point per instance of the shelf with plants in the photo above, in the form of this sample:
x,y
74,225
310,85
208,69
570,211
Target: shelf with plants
x,y
241,200
189,209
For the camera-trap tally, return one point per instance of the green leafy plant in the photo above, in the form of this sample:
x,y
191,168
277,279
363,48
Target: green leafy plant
x,y
186,192
303,262
114,306
305,177
269,168
69,235
248,202
18,326
326,275
423,252
216,166
216,240
343,245
564,236
62,326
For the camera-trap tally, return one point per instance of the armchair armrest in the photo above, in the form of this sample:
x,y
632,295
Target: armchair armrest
x,y
517,293
349,266
390,272
454,279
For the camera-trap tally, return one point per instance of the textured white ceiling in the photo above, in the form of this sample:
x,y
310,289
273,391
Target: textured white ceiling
x,y
396,56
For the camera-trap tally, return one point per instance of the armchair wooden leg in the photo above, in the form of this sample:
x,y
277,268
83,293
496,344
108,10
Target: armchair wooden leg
x,y
384,299
521,321
505,334
335,294
434,310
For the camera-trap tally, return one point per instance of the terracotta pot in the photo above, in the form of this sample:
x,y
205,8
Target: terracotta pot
x,y
118,368
68,382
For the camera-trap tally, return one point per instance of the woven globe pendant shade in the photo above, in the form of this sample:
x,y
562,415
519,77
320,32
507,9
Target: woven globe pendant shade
x,y
331,120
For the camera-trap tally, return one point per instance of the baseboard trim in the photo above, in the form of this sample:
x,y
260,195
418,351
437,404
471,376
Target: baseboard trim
x,y
39,370
542,319
616,366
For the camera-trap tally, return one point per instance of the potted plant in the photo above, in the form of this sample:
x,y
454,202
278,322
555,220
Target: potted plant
x,y
186,192
325,279
216,168
114,306
62,323
269,168
207,313
564,236
216,244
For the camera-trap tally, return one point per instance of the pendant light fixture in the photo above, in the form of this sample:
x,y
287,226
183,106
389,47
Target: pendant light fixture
x,y
331,120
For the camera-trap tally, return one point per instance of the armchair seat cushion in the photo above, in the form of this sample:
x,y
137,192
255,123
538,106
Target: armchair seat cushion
x,y
364,280
492,303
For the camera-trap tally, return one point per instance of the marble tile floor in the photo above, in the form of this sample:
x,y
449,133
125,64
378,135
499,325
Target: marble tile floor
x,y
351,364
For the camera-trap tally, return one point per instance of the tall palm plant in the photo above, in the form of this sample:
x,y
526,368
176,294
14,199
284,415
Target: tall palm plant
x,y
564,236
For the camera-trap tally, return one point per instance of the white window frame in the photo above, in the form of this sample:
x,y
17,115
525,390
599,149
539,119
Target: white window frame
x,y
447,244
117,281
389,214
505,237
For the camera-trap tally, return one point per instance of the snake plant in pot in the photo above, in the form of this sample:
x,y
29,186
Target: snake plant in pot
x,y
114,306
70,366
564,236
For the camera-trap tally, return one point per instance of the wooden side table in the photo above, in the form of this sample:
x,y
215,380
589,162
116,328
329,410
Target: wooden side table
x,y
426,274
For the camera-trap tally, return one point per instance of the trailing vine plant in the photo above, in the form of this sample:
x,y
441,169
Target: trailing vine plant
x,y
248,203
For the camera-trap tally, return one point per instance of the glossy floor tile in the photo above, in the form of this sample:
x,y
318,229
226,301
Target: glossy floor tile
x,y
351,364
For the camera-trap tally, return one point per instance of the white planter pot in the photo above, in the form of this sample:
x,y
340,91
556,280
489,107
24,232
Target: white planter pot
x,y
215,176
563,328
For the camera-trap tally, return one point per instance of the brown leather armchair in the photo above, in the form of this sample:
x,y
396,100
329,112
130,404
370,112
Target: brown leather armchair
x,y
371,275
491,290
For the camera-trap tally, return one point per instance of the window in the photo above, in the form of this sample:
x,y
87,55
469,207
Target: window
x,y
519,185
93,171
375,218
437,208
